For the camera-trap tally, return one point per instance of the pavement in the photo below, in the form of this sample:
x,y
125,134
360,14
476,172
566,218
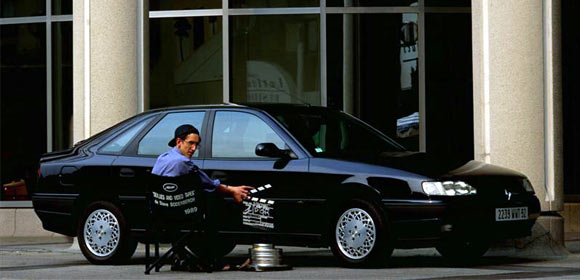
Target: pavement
x,y
24,259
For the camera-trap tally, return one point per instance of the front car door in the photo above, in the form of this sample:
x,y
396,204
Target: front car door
x,y
232,159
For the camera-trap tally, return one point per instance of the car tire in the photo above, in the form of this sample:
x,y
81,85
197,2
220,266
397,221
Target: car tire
x,y
359,236
103,235
219,248
462,251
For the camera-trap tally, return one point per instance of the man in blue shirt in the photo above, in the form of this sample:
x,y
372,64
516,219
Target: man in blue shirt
x,y
177,162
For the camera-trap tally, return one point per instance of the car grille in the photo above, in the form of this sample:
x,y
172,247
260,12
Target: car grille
x,y
497,188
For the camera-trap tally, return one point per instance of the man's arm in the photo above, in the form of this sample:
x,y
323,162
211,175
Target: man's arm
x,y
239,193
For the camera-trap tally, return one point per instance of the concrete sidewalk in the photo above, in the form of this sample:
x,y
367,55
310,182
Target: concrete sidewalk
x,y
50,258
60,261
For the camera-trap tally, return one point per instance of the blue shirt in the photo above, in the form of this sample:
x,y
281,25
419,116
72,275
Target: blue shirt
x,y
173,164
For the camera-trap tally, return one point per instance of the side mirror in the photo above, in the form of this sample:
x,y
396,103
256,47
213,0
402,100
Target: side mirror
x,y
270,150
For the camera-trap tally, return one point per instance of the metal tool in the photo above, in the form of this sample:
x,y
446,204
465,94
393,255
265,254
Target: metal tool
x,y
264,257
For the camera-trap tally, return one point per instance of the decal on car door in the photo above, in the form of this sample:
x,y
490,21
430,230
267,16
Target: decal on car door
x,y
259,212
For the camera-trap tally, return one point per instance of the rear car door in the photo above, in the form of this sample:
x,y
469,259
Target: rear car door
x,y
135,163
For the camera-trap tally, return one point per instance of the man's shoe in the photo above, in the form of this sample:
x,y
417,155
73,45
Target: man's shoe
x,y
198,267
179,265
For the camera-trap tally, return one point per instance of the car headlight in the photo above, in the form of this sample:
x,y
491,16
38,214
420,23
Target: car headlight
x,y
449,188
528,186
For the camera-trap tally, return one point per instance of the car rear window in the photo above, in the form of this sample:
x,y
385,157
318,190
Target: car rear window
x,y
119,143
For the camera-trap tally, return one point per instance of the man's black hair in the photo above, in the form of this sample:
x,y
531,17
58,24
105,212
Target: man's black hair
x,y
181,132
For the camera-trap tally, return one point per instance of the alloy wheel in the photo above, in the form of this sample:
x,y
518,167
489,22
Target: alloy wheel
x,y
101,232
355,233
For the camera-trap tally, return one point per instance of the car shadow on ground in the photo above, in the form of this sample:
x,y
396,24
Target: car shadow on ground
x,y
438,261
23,267
323,258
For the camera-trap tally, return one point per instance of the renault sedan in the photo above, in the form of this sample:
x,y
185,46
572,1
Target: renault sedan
x,y
336,182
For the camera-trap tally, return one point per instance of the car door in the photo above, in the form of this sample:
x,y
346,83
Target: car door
x,y
132,167
232,160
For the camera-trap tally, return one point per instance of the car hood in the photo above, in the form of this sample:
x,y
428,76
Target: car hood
x,y
440,167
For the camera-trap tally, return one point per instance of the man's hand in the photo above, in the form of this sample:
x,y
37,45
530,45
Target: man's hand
x,y
240,193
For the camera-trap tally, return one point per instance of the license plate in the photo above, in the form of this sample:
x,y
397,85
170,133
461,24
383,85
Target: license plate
x,y
511,214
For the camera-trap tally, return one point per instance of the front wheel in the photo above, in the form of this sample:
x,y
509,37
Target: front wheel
x,y
103,234
360,235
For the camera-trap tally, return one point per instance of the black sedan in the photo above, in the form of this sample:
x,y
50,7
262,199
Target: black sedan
x,y
335,181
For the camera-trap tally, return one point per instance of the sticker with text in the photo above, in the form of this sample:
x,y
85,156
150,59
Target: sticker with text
x,y
258,212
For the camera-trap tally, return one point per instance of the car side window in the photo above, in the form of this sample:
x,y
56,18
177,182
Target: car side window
x,y
155,141
120,142
236,134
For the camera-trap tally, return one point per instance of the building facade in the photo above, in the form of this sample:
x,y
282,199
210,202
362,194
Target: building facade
x,y
489,80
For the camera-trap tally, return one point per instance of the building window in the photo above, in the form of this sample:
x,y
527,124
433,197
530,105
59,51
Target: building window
x,y
19,8
185,61
23,87
448,86
370,3
403,66
571,100
61,7
167,5
373,71
62,85
273,4
36,88
275,59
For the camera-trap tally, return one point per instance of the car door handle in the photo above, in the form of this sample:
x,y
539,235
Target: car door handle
x,y
127,172
222,176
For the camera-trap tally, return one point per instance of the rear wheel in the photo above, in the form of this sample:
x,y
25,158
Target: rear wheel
x,y
215,249
360,235
103,235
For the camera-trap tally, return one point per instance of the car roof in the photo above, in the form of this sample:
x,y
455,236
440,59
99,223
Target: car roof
x,y
205,106
262,106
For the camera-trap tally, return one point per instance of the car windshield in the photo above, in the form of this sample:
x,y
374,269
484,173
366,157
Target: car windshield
x,y
333,134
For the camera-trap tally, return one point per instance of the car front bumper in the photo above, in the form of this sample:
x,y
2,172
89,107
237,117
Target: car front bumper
x,y
422,223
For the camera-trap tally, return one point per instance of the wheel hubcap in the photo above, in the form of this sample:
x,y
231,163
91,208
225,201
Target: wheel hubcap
x,y
355,233
101,232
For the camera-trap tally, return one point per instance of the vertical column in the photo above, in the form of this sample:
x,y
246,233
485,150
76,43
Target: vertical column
x,y
348,61
142,55
508,86
105,64
553,137
553,103
81,46
517,92
226,51
421,64
323,70
49,106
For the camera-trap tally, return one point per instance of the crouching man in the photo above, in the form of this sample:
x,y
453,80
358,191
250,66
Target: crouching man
x,y
178,161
